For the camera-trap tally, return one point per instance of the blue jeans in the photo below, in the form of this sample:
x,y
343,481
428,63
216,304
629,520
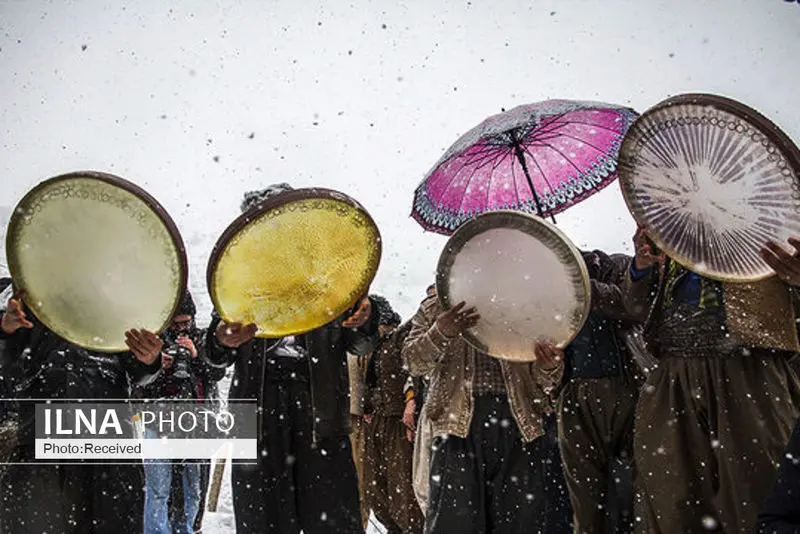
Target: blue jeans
x,y
158,482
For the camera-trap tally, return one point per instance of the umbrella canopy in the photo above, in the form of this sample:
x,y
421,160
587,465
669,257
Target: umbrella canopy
x,y
538,158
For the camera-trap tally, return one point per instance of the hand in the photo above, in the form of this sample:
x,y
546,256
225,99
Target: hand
x,y
453,322
14,317
235,334
548,356
185,342
166,360
145,345
408,414
645,256
361,315
368,418
785,265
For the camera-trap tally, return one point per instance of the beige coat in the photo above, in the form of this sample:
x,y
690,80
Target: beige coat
x,y
450,363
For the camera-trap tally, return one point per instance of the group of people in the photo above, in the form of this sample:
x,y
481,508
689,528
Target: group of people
x,y
156,497
670,412
479,442
674,406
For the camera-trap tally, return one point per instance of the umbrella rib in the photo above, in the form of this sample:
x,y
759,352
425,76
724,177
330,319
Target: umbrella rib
x,y
551,127
558,122
516,190
491,154
489,189
486,154
584,142
452,178
592,125
496,164
455,174
565,157
476,168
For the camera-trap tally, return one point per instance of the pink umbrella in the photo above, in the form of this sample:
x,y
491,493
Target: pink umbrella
x,y
539,158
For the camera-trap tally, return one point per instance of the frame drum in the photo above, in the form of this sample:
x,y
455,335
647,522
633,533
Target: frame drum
x,y
95,256
527,280
712,180
295,262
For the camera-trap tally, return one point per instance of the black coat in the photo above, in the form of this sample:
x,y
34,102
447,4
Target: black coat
x,y
598,351
36,363
781,511
327,349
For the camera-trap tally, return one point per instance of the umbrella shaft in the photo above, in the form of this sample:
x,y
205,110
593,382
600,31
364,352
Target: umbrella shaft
x,y
521,157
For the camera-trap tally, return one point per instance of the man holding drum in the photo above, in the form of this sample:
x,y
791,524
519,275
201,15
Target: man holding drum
x,y
486,466
36,363
597,403
305,478
714,417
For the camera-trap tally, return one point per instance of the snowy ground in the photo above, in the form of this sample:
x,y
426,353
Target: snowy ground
x,y
222,521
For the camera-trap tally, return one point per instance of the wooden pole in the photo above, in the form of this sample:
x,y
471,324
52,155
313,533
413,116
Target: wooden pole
x,y
216,483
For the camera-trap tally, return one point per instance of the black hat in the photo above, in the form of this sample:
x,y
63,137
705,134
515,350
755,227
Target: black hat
x,y
253,198
386,315
592,261
186,306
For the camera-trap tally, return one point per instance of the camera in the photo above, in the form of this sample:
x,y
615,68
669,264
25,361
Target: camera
x,y
181,356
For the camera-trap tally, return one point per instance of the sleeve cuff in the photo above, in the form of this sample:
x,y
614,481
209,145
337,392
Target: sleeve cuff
x,y
217,354
439,340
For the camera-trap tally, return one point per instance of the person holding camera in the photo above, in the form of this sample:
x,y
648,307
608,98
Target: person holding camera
x,y
184,375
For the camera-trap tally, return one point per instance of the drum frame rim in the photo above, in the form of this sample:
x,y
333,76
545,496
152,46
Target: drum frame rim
x,y
464,233
750,115
243,220
129,187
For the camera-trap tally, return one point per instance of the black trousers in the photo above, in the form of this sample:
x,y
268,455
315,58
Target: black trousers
x,y
559,513
72,499
596,429
297,484
492,482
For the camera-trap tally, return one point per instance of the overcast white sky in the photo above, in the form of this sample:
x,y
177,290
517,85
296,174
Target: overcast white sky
x,y
358,96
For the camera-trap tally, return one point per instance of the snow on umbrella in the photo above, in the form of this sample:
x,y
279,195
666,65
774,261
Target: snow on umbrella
x,y
538,158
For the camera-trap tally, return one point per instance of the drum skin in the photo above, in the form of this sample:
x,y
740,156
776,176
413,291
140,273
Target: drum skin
x,y
294,263
527,280
712,180
95,256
